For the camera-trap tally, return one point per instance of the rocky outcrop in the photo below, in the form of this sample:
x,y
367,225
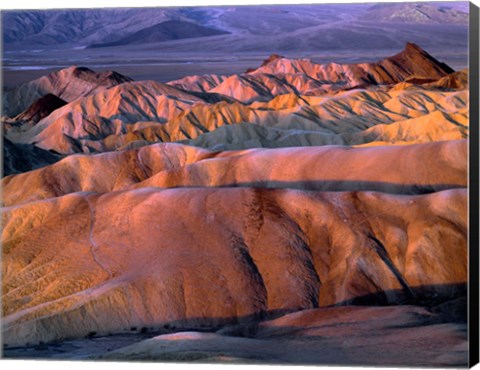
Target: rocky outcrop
x,y
67,84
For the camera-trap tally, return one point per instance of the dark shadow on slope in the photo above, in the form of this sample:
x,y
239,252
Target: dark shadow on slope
x,y
441,304
341,185
310,186
20,158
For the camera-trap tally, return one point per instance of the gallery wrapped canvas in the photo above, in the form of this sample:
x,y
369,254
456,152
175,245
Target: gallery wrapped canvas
x,y
266,184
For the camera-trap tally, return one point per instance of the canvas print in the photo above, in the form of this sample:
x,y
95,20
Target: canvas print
x,y
280,184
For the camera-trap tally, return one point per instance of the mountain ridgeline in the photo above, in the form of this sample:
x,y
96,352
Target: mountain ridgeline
x,y
329,26
169,30
284,102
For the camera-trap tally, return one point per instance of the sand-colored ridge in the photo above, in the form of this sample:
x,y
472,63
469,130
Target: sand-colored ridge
x,y
412,169
328,251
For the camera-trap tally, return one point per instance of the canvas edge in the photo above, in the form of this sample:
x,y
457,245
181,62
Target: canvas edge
x,y
473,321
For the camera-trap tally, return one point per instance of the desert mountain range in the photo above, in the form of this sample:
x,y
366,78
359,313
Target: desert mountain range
x,y
278,24
241,208
282,103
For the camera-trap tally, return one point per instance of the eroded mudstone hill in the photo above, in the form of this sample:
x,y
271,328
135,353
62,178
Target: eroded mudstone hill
x,y
410,169
147,257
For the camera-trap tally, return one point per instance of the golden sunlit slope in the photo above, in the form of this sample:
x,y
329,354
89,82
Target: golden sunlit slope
x,y
410,169
150,112
147,257
397,169
347,112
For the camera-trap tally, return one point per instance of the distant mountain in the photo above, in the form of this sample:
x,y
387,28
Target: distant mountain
x,y
441,13
78,27
250,28
165,31
97,26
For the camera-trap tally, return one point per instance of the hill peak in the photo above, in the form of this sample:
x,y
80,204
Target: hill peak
x,y
271,58
416,60
411,47
88,75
